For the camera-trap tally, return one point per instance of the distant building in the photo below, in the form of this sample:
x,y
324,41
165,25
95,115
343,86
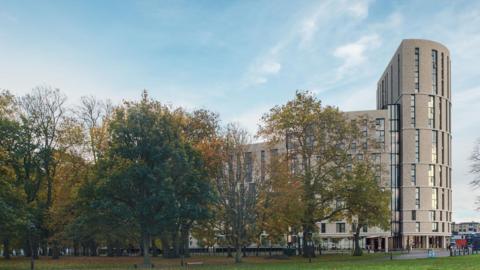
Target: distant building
x,y
465,228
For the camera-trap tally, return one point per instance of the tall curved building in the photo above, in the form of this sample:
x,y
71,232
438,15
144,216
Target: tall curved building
x,y
415,88
412,124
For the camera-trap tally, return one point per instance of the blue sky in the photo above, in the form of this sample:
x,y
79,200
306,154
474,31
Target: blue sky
x,y
239,58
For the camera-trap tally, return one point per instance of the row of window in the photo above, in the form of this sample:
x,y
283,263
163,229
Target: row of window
x,y
416,71
431,112
431,175
434,151
434,227
435,201
433,216
340,227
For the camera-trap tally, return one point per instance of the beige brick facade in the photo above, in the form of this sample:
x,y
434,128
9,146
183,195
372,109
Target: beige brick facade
x,y
422,217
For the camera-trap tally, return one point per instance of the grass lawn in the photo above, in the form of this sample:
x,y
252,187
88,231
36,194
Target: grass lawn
x,y
343,262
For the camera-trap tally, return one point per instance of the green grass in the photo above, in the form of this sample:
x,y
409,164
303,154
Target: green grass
x,y
340,262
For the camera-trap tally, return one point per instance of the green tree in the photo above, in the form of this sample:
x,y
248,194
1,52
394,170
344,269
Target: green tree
x,y
367,204
279,202
318,141
155,173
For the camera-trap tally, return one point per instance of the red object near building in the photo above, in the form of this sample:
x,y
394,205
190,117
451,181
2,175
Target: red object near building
x,y
461,243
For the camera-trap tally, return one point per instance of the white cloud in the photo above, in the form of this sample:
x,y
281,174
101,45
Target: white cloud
x,y
359,9
251,119
303,33
259,72
354,54
330,10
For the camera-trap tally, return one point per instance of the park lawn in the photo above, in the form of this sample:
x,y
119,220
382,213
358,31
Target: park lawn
x,y
340,262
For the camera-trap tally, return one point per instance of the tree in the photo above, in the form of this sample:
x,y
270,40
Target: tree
x,y
475,167
366,203
94,115
318,141
12,207
279,202
153,172
236,189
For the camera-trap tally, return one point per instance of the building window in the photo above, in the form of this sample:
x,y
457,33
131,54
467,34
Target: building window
x,y
417,145
443,227
249,166
417,198
431,112
273,154
448,77
380,130
442,77
431,175
450,178
446,115
365,229
412,110
417,70
262,165
294,166
434,145
360,157
449,117
443,199
417,226
414,214
340,227
435,227
441,215
442,147
413,174
434,72
446,178
440,119
440,175
434,198
365,128
323,228
432,215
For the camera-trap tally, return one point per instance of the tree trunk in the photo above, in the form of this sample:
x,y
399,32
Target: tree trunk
x,y
75,249
229,252
93,248
109,249
118,249
299,247
356,237
184,235
55,251
165,247
146,255
154,248
238,253
6,248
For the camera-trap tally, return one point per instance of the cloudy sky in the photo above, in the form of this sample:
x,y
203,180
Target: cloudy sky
x,y
240,58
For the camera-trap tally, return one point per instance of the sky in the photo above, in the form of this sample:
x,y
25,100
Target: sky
x,y
240,58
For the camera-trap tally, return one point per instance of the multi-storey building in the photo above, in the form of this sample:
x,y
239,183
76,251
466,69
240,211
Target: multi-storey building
x,y
413,122
465,228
